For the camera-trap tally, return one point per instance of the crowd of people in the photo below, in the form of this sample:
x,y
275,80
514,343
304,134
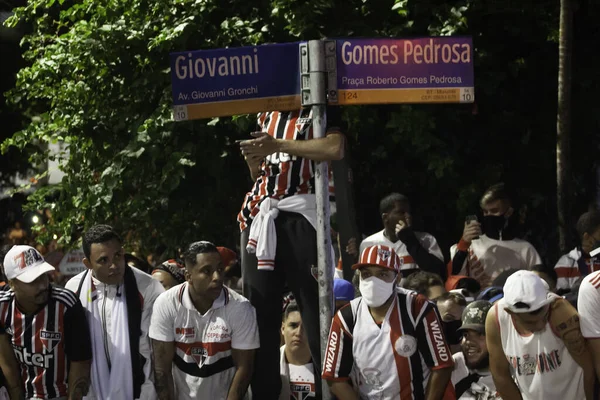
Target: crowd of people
x,y
492,323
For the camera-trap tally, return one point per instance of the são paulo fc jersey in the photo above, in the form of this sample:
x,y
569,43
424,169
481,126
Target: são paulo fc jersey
x,y
46,342
392,360
203,365
284,175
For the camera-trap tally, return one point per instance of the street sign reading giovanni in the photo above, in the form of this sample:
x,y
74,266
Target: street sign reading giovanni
x,y
241,80
422,70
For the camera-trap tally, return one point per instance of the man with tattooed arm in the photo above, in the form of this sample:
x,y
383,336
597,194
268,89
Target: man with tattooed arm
x,y
534,338
204,335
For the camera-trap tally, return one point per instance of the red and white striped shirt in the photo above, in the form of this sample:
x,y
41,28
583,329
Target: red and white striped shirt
x,y
588,305
283,175
569,268
391,360
46,342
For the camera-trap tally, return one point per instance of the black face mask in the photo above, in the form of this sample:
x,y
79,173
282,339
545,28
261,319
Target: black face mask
x,y
493,225
499,227
453,336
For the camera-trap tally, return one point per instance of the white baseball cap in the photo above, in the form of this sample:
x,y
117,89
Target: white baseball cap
x,y
25,264
526,292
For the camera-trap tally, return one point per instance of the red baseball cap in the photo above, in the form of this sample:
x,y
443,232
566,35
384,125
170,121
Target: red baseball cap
x,y
227,255
379,256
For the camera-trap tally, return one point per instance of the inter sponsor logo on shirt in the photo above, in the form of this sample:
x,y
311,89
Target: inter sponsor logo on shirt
x,y
50,339
440,344
277,158
33,359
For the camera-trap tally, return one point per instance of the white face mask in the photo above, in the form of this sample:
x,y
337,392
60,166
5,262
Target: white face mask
x,y
376,291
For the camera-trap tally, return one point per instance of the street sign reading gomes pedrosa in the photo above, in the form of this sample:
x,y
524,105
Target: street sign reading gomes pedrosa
x,y
422,70
241,80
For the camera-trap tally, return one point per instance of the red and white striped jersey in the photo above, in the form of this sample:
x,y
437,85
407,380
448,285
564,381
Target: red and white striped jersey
x,y
572,266
283,175
588,306
203,366
46,342
392,360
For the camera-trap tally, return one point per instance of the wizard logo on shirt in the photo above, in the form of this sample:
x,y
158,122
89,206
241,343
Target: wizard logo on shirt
x,y
50,339
199,354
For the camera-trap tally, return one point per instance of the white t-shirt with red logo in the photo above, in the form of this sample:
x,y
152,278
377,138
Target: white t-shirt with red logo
x,y
588,305
298,381
203,365
406,261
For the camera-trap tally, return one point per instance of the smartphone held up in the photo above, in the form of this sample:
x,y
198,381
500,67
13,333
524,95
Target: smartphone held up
x,y
470,219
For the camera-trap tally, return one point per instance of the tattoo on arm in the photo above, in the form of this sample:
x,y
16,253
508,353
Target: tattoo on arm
x,y
575,342
571,323
570,333
161,383
163,378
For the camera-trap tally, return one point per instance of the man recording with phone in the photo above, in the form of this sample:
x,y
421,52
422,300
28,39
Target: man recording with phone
x,y
489,247
278,234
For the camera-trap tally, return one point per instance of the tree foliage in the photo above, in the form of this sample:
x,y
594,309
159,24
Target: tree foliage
x,y
98,79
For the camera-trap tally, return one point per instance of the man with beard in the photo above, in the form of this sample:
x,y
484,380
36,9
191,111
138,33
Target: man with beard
x,y
471,377
47,328
487,248
451,306
389,341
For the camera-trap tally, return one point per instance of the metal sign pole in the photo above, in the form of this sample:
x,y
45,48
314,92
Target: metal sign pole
x,y
314,75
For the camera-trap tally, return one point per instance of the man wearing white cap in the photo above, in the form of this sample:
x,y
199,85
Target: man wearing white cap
x,y
534,339
390,341
48,329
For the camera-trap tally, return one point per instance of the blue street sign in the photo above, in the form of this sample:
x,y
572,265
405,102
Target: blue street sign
x,y
241,80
